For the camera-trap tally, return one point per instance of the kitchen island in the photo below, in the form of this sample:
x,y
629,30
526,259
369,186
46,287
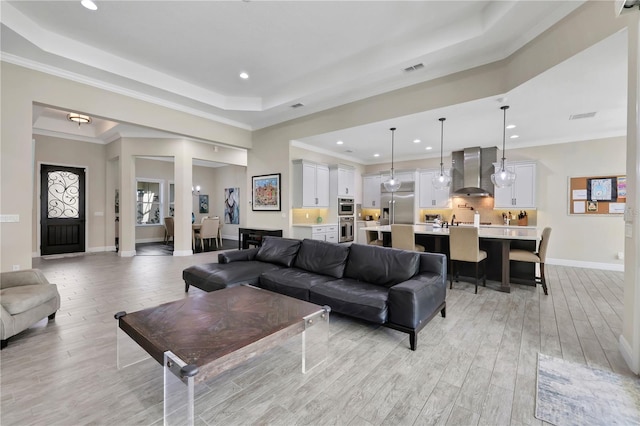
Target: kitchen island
x,y
495,240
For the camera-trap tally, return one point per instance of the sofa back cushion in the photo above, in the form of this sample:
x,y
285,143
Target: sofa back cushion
x,y
381,265
322,257
279,251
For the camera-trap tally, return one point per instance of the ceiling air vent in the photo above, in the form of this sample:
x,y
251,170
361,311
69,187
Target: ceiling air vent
x,y
583,115
414,67
298,105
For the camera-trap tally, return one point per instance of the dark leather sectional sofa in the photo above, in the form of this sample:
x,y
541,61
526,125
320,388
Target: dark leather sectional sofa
x,y
400,289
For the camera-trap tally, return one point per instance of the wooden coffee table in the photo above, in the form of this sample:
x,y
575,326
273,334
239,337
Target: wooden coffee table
x,y
196,338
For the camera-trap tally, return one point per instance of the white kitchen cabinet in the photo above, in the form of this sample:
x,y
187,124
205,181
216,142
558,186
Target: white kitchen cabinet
x,y
522,194
371,192
430,197
317,232
342,180
310,184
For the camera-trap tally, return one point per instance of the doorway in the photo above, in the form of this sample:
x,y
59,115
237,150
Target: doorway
x,y
62,208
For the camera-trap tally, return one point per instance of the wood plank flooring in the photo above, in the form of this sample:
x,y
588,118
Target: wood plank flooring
x,y
475,367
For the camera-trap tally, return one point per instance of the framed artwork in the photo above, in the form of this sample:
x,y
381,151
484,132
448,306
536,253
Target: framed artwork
x,y
203,202
265,192
232,206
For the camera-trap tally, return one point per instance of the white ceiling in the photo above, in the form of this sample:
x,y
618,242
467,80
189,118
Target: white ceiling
x,y
188,55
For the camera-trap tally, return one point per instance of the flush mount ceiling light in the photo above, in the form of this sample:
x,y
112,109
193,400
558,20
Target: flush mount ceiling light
x,y
504,178
428,148
244,75
417,141
339,142
89,4
79,118
514,137
392,184
511,126
443,180
376,155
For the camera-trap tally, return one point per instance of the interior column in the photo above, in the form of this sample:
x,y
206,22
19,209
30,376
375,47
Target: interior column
x,y
183,173
630,338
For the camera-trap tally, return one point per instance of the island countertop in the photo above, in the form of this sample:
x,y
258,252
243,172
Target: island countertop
x,y
502,232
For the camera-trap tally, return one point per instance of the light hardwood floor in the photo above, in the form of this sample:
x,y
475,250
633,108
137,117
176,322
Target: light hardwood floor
x,y
477,366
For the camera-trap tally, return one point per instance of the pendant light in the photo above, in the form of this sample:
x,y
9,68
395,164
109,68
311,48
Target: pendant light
x,y
504,178
392,184
443,180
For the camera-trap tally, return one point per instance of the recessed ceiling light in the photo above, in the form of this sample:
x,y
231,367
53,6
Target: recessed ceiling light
x,y
417,141
339,142
428,148
376,155
244,75
514,136
511,126
89,4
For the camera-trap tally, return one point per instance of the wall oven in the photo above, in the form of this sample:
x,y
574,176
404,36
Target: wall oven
x,y
346,229
346,207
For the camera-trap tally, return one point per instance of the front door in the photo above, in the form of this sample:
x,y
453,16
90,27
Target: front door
x,y
62,205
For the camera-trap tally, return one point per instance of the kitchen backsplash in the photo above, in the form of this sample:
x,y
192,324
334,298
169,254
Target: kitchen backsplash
x,y
310,216
461,207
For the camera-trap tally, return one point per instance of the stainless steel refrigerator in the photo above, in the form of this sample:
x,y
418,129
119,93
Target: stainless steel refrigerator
x,y
399,206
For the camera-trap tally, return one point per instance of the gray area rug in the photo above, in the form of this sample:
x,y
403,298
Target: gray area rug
x,y
574,394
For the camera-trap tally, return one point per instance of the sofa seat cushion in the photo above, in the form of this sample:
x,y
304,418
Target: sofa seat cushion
x,y
322,257
355,298
292,282
216,276
17,300
279,251
381,265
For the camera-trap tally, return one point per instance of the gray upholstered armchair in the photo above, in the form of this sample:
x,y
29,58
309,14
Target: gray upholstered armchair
x,y
26,297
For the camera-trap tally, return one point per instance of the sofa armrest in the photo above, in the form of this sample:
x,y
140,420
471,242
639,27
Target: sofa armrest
x,y
435,263
416,300
24,277
237,255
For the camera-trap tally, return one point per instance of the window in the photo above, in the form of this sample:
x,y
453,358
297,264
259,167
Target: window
x,y
172,199
149,202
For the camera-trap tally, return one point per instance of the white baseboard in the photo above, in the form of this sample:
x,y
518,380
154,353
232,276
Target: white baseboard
x,y
182,252
128,253
590,265
627,354
150,240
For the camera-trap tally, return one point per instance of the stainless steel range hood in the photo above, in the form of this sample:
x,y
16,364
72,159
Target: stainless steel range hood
x,y
472,170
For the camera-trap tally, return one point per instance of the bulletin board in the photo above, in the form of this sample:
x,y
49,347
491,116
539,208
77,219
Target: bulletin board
x,y
597,195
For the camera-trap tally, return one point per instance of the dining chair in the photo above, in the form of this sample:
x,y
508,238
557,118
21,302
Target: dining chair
x,y
168,229
220,225
464,246
538,257
403,237
373,237
209,230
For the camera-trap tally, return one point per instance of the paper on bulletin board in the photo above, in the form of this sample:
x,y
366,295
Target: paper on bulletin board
x,y
578,207
579,194
617,208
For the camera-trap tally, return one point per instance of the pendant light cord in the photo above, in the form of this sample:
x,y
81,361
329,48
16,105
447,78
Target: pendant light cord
x,y
393,129
504,131
441,144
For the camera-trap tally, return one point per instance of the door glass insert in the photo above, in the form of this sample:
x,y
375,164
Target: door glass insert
x,y
64,195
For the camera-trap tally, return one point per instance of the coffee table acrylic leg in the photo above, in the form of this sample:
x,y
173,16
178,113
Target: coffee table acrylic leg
x,y
128,352
315,339
179,391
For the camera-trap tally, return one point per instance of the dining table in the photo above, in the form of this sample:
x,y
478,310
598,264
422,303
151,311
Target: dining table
x,y
503,235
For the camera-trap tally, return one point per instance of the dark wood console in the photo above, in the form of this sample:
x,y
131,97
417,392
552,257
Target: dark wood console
x,y
253,236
